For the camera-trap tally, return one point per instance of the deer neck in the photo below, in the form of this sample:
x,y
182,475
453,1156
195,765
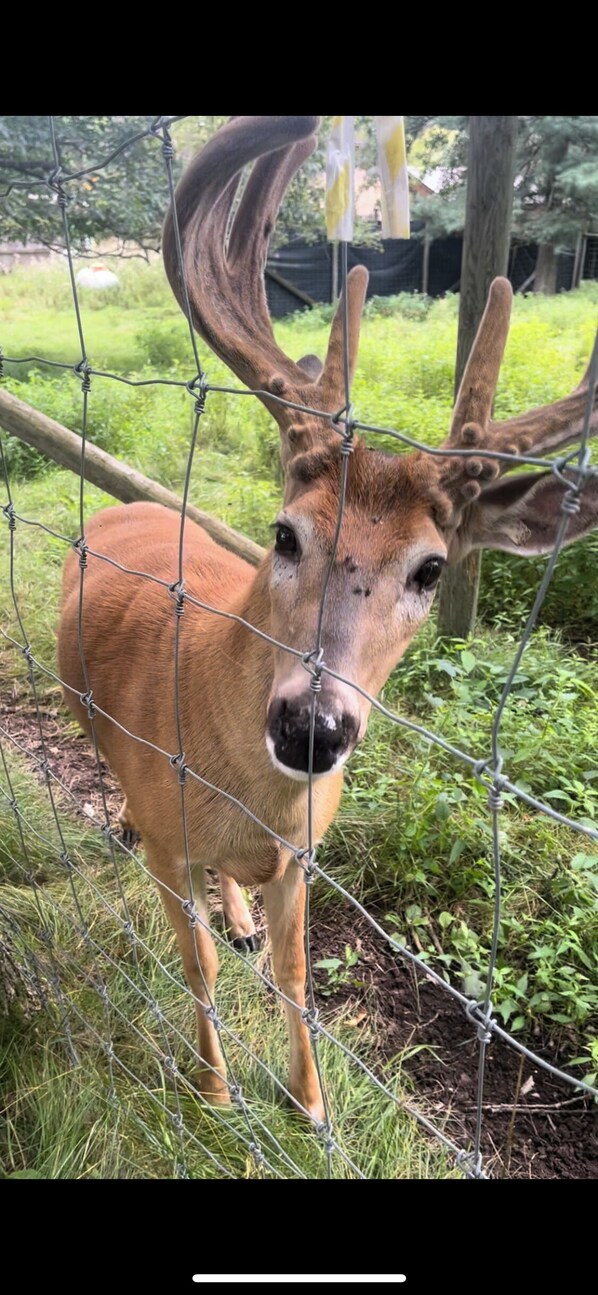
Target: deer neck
x,y
235,688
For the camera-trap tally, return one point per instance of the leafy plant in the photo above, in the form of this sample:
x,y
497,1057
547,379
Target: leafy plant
x,y
339,971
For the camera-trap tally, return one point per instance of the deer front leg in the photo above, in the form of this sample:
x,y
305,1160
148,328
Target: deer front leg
x,y
200,962
238,922
284,901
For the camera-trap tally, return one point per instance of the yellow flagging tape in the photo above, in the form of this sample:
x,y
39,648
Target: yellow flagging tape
x,y
340,172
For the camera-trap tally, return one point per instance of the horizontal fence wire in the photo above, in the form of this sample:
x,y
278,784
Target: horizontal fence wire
x,y
260,1147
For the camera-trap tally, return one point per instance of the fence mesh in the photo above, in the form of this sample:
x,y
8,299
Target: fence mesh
x,y
249,1143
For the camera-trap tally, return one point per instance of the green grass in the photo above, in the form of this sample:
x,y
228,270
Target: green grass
x,y
413,834
404,381
60,1121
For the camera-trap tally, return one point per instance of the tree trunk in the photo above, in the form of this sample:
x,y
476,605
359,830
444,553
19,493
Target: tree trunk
x,y
488,210
545,280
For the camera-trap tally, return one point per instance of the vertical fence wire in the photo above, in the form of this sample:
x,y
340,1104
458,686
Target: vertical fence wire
x,y
488,771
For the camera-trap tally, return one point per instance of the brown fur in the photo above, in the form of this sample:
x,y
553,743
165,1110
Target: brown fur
x,y
399,511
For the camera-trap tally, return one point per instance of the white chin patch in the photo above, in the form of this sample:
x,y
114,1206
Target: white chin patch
x,y
298,774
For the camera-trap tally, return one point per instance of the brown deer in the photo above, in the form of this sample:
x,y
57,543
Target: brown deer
x,y
245,705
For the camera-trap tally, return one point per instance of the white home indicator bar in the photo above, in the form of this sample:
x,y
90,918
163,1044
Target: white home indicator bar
x,y
299,1277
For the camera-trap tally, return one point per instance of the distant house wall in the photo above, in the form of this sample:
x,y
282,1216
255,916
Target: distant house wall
x,y
12,254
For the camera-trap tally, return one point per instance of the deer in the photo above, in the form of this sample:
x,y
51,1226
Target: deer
x,y
246,703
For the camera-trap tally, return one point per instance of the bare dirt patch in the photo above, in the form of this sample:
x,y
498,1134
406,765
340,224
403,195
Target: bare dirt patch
x,y
535,1126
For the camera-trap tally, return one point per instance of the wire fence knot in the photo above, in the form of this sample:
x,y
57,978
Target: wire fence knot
x,y
495,799
481,1017
257,1154
9,513
571,502
213,1017
83,369
177,588
309,1016
579,464
80,547
323,1131
54,182
347,444
161,132
198,388
178,762
313,663
309,866
86,699
190,911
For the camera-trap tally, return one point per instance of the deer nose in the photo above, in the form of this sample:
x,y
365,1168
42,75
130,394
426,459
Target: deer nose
x,y
288,736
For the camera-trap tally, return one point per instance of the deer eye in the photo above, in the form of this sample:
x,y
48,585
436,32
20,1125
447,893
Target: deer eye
x,y
286,540
428,575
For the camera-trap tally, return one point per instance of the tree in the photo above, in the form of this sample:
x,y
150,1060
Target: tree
x,y
556,183
123,201
556,192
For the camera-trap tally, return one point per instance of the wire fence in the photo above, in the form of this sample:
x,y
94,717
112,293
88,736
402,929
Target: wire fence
x,y
91,957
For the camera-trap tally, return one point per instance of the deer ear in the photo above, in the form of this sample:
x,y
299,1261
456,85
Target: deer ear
x,y
522,515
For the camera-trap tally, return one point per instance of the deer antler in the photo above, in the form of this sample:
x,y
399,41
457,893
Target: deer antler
x,y
226,283
539,431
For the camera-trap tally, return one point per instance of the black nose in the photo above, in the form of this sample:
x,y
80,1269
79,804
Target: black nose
x,y
288,728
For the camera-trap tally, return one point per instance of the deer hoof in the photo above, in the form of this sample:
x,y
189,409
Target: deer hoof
x,y
247,943
130,837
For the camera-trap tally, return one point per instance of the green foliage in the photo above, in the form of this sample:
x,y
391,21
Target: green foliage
x,y
556,177
126,201
411,305
418,823
404,380
339,972
556,191
413,835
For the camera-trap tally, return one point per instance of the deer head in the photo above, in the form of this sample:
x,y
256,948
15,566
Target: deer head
x,y
405,515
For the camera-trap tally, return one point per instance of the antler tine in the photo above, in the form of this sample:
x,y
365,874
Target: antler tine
x,y
249,239
226,287
478,385
227,295
539,431
264,191
549,427
331,381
